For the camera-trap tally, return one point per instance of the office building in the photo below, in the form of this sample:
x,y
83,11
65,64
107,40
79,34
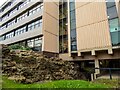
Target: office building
x,y
84,32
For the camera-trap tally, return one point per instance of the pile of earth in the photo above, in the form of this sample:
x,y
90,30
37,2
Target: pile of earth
x,y
30,67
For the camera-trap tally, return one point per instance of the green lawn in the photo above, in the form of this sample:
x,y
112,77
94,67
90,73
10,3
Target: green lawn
x,y
114,83
54,84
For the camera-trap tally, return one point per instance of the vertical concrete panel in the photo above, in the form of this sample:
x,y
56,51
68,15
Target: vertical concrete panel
x,y
91,13
51,27
69,39
93,36
92,26
80,4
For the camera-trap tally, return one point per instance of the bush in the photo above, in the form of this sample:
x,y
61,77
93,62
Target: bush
x,y
18,47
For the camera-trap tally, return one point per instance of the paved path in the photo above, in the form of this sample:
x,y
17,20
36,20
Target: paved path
x,y
115,75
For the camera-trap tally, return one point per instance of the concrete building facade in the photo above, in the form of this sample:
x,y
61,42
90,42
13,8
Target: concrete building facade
x,y
30,23
76,30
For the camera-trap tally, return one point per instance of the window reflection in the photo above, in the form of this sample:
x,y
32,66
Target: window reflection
x,y
35,44
10,35
34,25
63,30
21,17
73,26
20,31
114,23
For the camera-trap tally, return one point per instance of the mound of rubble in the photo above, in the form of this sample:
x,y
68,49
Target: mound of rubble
x,y
30,67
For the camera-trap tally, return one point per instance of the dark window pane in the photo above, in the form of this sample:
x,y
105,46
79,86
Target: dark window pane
x,y
73,24
63,31
72,14
72,6
110,3
113,22
73,33
73,47
115,38
112,12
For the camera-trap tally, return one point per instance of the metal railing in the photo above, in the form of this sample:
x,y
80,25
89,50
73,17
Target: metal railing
x,y
109,69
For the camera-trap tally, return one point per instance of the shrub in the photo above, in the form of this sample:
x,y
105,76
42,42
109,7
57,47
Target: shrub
x,y
18,47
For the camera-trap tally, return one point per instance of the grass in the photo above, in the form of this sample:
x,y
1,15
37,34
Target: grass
x,y
54,84
114,83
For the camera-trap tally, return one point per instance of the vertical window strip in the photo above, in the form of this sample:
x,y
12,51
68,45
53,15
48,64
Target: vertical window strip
x,y
114,23
63,30
73,26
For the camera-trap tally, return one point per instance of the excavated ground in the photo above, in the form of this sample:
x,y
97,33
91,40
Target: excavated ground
x,y
30,67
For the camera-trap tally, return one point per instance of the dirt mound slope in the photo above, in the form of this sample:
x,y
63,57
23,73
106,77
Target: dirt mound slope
x,y
30,67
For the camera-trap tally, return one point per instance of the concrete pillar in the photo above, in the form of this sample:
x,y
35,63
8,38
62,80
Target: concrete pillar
x,y
95,76
92,78
97,71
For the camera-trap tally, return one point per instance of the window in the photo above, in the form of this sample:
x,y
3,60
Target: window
x,y
13,11
30,26
5,17
20,31
21,5
38,23
23,29
115,36
72,6
73,26
24,3
72,15
35,44
11,23
9,4
2,38
38,42
73,34
112,12
36,9
9,35
114,25
3,27
30,43
110,3
35,25
63,30
22,17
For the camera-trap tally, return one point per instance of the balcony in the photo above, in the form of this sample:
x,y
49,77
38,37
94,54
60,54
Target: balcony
x,y
22,22
23,36
10,7
19,12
